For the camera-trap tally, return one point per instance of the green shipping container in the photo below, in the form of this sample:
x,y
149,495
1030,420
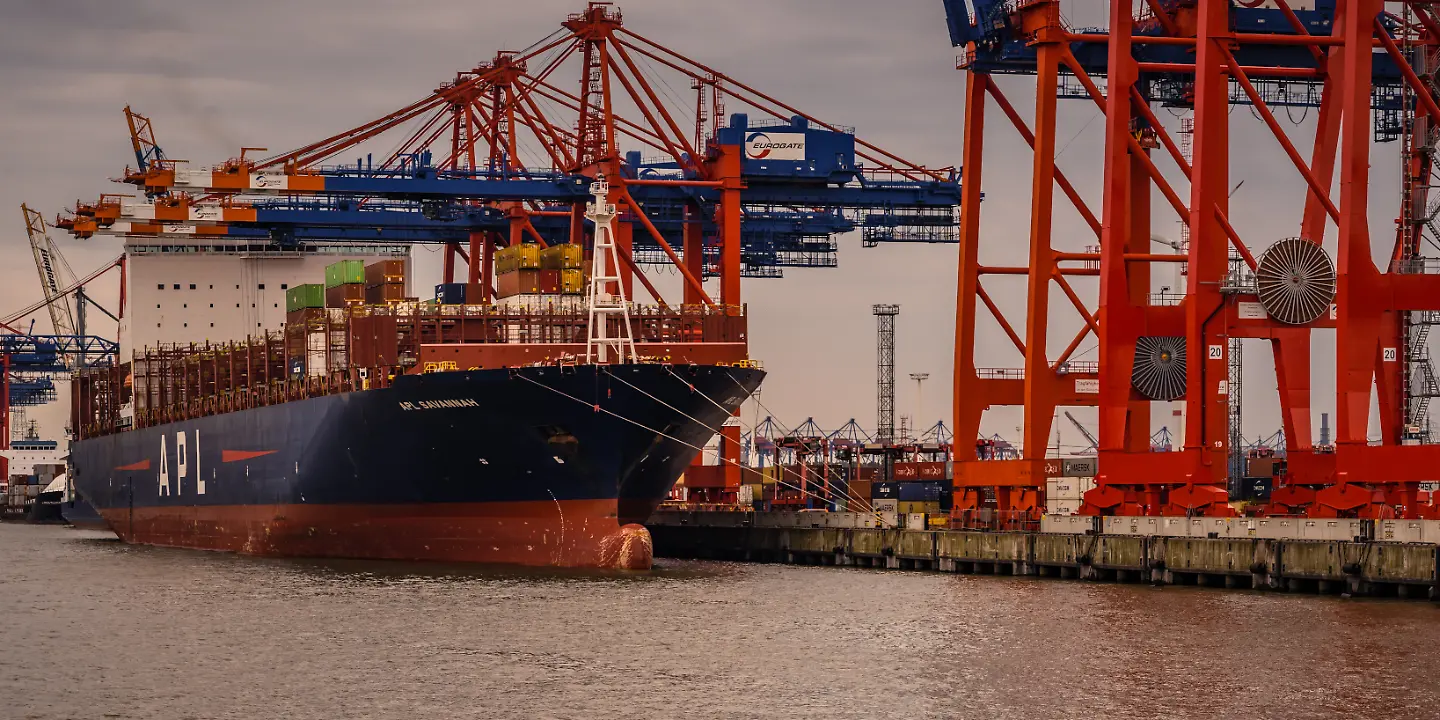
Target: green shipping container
x,y
345,272
302,297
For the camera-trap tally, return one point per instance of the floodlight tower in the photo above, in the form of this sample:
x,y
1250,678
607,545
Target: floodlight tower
x,y
885,372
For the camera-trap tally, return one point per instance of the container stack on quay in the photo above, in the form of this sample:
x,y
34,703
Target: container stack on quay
x,y
1262,465
31,469
911,496
1066,482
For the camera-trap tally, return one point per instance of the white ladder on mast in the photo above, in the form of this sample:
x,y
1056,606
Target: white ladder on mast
x,y
605,272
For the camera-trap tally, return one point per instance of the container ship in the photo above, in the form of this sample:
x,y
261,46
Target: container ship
x,y
377,426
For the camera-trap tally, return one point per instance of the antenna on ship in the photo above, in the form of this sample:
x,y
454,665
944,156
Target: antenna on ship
x,y
605,273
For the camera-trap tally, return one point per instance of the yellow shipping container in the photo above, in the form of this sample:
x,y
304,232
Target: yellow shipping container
x,y
525,256
565,256
572,282
769,474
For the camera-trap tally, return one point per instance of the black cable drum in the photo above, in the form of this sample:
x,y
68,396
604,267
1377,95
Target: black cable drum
x,y
1159,370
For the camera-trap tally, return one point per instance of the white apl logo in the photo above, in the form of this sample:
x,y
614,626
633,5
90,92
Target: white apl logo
x,y
171,485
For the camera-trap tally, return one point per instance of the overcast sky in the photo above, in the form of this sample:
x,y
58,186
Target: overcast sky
x,y
216,76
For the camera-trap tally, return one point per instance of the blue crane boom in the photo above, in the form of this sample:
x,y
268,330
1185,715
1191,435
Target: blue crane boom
x,y
993,43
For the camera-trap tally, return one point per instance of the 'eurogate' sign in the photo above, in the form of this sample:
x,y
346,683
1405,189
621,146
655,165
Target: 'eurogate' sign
x,y
775,146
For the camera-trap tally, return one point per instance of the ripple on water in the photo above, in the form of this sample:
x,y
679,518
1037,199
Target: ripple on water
x,y
93,628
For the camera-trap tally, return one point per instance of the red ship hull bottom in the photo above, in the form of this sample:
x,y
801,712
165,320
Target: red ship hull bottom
x,y
570,533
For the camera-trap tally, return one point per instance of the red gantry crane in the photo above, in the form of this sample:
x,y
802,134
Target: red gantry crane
x,y
1367,67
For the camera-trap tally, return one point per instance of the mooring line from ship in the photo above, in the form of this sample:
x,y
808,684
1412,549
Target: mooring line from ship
x,y
865,502
658,433
849,496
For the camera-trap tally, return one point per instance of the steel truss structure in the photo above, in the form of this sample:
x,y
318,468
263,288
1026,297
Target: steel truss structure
x,y
504,154
1354,60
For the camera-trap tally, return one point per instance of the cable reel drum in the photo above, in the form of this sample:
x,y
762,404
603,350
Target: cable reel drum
x,y
1296,281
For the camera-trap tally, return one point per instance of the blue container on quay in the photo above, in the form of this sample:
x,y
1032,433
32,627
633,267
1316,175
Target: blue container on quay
x,y
920,491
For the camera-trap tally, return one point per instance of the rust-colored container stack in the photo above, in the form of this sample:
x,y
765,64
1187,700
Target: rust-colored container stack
x,y
347,295
517,270
385,282
344,284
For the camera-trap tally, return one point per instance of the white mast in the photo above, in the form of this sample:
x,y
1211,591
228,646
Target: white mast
x,y
605,272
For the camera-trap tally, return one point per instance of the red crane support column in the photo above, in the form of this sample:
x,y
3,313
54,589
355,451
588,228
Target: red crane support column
x,y
1357,339
693,251
967,401
727,171
487,266
1122,316
1040,381
1207,347
448,272
1370,480
477,253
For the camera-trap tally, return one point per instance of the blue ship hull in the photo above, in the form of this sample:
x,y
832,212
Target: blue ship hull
x,y
537,465
80,513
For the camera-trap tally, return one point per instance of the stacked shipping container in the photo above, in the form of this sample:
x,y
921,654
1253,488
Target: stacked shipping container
x,y
1067,482
385,282
526,270
345,284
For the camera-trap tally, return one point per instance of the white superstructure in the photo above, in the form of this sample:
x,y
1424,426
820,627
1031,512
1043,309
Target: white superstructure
x,y
179,293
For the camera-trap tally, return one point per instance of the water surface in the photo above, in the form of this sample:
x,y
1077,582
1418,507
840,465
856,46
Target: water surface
x,y
92,628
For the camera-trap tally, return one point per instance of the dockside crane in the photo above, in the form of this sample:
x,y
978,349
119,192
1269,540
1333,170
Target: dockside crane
x,y
142,139
48,262
473,142
1367,68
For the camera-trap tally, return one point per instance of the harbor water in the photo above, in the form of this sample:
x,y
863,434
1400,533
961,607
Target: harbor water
x,y
92,628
